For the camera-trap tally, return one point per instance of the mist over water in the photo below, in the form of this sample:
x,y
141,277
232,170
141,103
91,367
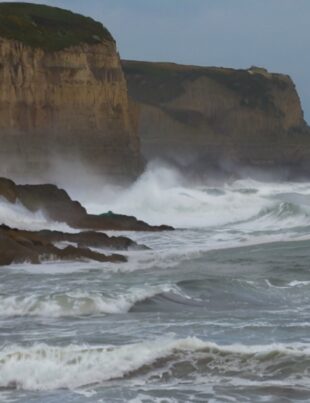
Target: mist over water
x,y
217,310
17,216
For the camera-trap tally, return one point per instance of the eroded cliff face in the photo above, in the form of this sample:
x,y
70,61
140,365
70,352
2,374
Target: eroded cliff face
x,y
200,117
67,106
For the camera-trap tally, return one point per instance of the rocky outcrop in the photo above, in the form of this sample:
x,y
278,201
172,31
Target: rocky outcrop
x,y
85,239
209,117
63,95
30,247
56,204
21,246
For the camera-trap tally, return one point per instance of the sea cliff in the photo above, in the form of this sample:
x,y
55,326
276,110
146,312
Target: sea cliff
x,y
203,117
63,95
64,103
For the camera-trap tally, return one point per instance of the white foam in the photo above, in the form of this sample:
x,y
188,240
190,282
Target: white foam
x,y
241,213
43,367
244,211
160,195
78,303
15,215
297,283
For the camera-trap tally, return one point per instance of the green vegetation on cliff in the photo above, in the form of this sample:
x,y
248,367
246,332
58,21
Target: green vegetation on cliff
x,y
49,28
162,82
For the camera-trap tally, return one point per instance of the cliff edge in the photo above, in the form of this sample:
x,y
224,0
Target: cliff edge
x,y
63,95
202,117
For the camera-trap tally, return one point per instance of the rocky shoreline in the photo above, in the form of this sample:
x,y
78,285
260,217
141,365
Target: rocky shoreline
x,y
21,246
57,205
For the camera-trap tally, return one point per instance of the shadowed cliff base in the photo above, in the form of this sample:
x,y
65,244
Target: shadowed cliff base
x,y
219,120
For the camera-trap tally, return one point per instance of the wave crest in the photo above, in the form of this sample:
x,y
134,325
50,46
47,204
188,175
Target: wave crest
x,y
43,367
77,303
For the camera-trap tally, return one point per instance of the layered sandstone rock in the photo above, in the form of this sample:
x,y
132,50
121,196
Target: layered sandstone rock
x,y
203,117
63,95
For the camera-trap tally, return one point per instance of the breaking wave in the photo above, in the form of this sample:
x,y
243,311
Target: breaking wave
x,y
162,195
78,303
15,215
44,367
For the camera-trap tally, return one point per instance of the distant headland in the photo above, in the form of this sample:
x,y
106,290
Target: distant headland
x,y
66,96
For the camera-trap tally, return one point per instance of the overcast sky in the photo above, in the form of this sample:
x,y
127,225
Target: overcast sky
x,y
231,33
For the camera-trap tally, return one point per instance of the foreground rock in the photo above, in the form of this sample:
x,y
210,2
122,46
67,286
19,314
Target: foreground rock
x,y
56,204
82,239
30,247
203,118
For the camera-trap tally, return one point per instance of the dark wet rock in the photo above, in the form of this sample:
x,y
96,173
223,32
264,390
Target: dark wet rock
x,y
81,239
57,205
54,202
8,190
72,253
117,222
12,251
30,247
19,246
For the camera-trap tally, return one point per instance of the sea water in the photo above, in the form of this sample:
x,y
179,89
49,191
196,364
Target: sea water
x,y
215,311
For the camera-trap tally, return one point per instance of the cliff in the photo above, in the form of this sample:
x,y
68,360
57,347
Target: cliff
x,y
215,117
64,100
63,95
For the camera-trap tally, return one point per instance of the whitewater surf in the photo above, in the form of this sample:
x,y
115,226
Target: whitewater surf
x,y
217,310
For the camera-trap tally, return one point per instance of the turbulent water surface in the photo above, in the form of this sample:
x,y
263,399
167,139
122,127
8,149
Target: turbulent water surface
x,y
217,311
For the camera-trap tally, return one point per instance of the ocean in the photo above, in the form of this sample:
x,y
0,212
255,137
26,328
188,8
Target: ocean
x,y
215,311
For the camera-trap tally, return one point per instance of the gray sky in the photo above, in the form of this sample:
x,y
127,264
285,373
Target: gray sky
x,y
231,33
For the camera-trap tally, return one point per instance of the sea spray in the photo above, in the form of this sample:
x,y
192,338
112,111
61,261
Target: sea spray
x,y
161,195
15,215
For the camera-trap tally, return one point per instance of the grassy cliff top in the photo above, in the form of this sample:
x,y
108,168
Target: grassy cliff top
x,y
49,28
151,82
